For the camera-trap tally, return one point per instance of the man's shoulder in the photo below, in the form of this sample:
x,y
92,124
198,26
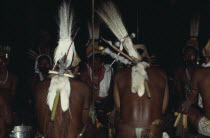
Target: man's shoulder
x,y
80,86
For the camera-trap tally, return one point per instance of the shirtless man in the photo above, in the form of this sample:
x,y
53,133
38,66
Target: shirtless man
x,y
137,113
199,117
71,121
184,73
7,79
5,115
8,84
74,97
140,112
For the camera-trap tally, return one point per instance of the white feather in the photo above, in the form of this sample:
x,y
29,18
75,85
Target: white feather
x,y
116,56
110,15
138,76
65,25
62,84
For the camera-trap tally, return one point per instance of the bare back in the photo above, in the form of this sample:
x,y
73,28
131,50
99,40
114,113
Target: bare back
x,y
141,111
67,124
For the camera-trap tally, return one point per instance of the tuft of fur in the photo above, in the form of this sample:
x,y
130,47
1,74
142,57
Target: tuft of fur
x,y
62,84
116,56
138,76
138,132
65,27
110,15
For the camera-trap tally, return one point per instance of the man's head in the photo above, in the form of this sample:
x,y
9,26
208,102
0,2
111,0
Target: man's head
x,y
190,55
3,62
44,64
98,62
206,51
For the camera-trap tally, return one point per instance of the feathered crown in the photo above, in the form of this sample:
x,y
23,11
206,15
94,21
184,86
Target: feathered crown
x,y
35,53
110,15
95,36
66,47
206,49
194,29
5,50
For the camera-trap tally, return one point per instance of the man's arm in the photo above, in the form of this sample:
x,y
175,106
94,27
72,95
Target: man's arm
x,y
166,98
194,86
87,102
116,94
178,91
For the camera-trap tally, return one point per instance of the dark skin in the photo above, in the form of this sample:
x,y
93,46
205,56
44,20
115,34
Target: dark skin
x,y
5,115
181,78
65,125
140,112
11,83
200,84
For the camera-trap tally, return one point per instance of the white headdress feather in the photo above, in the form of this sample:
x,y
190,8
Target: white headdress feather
x,y
194,25
138,76
62,83
65,25
110,15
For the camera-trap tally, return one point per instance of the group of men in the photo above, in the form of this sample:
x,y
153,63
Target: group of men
x,y
93,100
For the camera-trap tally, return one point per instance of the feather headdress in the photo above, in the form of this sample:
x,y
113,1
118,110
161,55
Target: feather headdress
x,y
66,55
206,49
95,36
5,50
65,40
194,29
110,15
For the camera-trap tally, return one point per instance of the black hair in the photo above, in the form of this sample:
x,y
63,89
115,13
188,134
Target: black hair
x,y
43,57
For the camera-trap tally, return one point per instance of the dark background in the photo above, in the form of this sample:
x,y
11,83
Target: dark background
x,y
163,25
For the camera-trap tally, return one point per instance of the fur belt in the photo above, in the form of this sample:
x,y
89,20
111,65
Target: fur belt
x,y
150,132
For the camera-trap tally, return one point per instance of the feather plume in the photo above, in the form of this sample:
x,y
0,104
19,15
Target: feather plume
x,y
194,25
65,25
110,15
116,56
139,75
62,84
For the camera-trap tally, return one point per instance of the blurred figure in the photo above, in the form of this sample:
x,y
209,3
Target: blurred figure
x,y
99,76
183,74
200,117
8,86
7,79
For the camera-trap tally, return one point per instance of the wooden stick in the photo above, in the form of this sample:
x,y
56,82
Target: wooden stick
x,y
65,74
177,120
115,48
147,89
72,42
55,105
184,120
